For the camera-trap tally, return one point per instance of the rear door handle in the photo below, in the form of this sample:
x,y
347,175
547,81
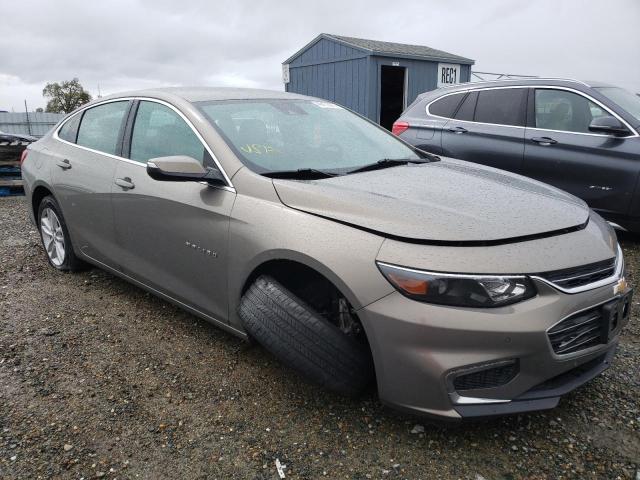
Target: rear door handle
x,y
458,130
544,141
125,183
64,164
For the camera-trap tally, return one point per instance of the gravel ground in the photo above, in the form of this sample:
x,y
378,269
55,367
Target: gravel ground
x,y
99,379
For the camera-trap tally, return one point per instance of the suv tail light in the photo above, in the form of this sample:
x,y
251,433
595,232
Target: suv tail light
x,y
399,127
23,156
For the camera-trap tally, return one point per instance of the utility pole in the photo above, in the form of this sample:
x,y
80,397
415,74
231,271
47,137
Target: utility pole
x,y
26,110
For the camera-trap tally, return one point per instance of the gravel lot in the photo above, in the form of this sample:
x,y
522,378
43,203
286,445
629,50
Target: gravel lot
x,y
99,379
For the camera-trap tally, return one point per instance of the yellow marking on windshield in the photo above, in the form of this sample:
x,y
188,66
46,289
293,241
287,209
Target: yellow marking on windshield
x,y
258,149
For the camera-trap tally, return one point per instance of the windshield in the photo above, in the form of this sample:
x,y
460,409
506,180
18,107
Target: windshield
x,y
624,98
284,135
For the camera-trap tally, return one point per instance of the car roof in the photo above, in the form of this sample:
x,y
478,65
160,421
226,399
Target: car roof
x,y
203,94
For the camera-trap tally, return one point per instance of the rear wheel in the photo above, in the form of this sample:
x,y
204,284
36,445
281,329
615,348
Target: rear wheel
x,y
55,237
305,340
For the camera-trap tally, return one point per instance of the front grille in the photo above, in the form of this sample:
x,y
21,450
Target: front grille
x,y
580,331
580,276
487,378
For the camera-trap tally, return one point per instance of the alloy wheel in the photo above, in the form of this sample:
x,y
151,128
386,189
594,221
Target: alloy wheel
x,y
52,236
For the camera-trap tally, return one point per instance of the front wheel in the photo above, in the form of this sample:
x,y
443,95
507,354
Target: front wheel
x,y
55,237
304,340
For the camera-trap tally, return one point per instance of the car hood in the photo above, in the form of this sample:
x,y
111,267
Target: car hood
x,y
446,201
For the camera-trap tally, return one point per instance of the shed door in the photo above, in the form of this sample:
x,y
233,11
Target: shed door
x,y
392,94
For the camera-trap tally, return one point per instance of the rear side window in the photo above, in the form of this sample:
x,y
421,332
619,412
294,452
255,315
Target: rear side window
x,y
503,106
100,127
468,107
446,106
161,132
69,130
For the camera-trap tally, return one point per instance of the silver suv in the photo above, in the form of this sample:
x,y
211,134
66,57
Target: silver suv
x,y
349,254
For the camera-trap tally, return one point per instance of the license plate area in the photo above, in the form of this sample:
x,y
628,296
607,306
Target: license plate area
x,y
591,327
615,315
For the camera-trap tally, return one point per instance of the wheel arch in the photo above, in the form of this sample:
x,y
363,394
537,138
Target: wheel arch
x,y
271,261
39,191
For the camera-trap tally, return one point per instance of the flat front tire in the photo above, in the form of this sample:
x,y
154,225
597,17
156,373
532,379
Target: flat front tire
x,y
304,340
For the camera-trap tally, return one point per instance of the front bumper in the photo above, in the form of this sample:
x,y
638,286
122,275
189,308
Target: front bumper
x,y
417,353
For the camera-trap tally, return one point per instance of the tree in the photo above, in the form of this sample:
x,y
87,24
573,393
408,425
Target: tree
x,y
39,110
66,96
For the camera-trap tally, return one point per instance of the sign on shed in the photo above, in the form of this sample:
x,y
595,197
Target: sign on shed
x,y
448,74
285,73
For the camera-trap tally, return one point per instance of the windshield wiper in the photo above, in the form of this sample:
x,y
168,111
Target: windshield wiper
x,y
300,174
386,163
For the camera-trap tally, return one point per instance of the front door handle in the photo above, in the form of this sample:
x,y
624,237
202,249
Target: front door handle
x,y
458,130
544,141
125,183
64,164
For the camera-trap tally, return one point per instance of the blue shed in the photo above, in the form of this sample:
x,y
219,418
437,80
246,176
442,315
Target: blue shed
x,y
376,79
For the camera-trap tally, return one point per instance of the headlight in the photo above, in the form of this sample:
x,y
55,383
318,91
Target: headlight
x,y
458,290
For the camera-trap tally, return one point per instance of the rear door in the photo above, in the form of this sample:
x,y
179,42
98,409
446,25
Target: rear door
x,y
560,150
84,162
172,235
488,128
425,131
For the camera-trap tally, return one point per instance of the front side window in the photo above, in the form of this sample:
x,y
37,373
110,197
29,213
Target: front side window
x,y
159,131
100,127
446,106
502,106
565,111
270,135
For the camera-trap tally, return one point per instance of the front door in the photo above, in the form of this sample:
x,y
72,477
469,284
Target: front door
x,y
173,235
560,150
488,128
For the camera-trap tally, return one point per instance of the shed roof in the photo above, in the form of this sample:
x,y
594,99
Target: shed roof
x,y
378,47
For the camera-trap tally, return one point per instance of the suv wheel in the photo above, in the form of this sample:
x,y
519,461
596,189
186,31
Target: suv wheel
x,y
304,340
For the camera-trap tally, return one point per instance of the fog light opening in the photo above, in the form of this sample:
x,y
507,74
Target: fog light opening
x,y
486,376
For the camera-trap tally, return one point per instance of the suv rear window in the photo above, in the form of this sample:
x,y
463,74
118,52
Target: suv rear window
x,y
468,107
503,106
446,106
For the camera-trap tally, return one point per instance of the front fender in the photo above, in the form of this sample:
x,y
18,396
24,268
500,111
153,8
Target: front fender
x,y
262,230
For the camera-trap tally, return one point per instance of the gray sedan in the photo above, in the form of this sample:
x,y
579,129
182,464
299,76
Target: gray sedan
x,y
461,289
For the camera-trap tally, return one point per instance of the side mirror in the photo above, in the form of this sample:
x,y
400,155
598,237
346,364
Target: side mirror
x,y
609,125
181,168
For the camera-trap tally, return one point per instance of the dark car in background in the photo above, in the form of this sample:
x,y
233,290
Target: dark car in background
x,y
12,145
580,137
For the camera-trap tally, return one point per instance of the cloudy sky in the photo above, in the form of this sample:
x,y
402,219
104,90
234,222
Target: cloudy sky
x,y
126,44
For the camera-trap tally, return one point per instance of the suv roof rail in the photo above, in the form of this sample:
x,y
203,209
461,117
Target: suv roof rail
x,y
524,79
